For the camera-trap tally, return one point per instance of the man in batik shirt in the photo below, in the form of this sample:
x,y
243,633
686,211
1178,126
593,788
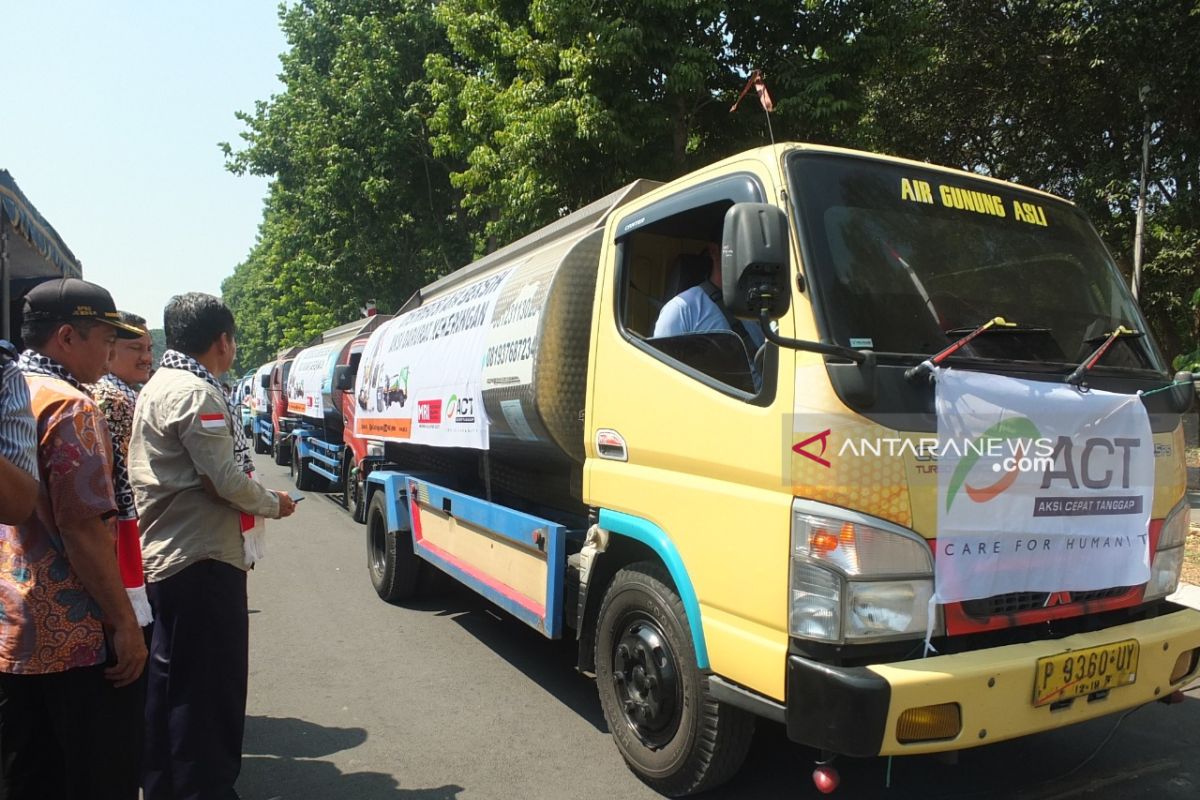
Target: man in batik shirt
x,y
116,396
70,646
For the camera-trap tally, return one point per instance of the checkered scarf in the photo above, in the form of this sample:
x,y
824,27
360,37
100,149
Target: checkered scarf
x,y
123,387
120,423
173,359
32,363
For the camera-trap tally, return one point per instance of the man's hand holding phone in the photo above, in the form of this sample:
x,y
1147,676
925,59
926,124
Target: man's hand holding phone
x,y
287,504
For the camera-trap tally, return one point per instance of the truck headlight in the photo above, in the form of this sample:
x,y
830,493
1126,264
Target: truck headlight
x,y
885,608
374,448
856,577
1168,556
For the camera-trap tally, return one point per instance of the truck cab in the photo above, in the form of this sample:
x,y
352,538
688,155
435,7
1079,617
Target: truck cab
x,y
283,419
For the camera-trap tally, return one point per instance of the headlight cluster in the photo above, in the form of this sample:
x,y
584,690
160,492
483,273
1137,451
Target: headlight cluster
x,y
855,577
1168,557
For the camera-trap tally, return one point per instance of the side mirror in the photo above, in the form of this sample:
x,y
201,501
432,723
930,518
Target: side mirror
x,y
343,377
754,261
265,381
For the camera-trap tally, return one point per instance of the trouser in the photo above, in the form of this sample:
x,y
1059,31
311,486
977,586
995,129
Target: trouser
x,y
69,736
196,690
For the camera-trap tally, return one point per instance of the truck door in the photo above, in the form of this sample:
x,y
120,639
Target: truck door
x,y
693,426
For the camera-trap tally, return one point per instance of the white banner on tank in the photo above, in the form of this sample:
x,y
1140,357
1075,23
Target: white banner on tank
x,y
509,357
420,377
307,381
1041,487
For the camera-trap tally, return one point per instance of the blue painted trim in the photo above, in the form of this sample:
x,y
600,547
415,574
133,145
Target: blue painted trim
x,y
324,473
656,539
396,496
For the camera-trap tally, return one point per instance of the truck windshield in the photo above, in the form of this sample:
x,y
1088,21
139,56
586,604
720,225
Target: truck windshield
x,y
904,259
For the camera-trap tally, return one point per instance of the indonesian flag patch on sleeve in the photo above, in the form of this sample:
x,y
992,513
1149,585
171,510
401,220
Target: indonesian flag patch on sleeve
x,y
212,420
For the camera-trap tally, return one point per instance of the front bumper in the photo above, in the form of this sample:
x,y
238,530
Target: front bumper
x,y
854,710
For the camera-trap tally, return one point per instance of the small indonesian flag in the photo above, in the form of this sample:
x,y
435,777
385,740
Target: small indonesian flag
x,y
212,420
254,535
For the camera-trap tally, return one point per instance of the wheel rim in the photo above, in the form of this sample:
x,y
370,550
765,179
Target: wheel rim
x,y
646,679
377,557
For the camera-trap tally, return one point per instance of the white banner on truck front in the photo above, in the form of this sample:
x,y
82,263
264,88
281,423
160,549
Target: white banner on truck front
x,y
1041,487
419,379
308,380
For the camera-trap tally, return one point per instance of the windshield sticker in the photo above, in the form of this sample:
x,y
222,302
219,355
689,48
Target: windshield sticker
x,y
919,191
856,341
1029,212
915,190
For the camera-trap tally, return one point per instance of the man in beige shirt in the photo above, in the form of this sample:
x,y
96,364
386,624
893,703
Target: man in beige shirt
x,y
190,470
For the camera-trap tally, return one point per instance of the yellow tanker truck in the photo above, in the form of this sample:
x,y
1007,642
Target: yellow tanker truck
x,y
876,449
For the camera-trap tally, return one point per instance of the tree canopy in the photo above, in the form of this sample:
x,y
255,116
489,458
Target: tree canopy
x,y
412,136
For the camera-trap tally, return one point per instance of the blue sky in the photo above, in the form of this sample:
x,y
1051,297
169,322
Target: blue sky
x,y
112,115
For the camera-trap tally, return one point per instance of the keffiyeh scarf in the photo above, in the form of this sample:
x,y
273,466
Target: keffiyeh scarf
x,y
117,400
32,363
173,359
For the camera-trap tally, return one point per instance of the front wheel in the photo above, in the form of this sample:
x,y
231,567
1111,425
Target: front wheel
x,y
346,473
356,488
673,735
395,569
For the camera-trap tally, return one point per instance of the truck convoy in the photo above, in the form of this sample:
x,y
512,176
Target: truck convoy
x,y
319,378
941,506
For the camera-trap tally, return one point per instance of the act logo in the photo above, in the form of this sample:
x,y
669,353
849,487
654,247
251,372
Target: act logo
x,y
1016,429
460,409
807,447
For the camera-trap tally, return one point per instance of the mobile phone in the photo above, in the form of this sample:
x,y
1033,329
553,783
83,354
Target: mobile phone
x,y
296,496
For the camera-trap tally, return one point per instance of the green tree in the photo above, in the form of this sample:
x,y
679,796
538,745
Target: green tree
x,y
358,207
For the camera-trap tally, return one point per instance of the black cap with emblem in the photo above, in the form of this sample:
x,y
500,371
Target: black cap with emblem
x,y
67,299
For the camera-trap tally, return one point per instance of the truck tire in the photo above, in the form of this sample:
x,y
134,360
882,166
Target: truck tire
x,y
673,735
395,569
281,454
305,479
342,490
358,499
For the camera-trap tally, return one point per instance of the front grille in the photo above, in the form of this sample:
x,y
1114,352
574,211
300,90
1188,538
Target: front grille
x,y
1016,602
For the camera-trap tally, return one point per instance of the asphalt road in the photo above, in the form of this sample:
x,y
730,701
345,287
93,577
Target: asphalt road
x,y
452,700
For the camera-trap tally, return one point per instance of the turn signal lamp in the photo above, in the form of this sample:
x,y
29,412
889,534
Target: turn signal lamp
x,y
929,723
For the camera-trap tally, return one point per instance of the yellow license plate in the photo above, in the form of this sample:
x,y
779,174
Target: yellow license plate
x,y
1082,672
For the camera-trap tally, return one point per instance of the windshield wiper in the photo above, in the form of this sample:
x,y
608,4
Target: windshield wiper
x,y
926,366
1077,376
